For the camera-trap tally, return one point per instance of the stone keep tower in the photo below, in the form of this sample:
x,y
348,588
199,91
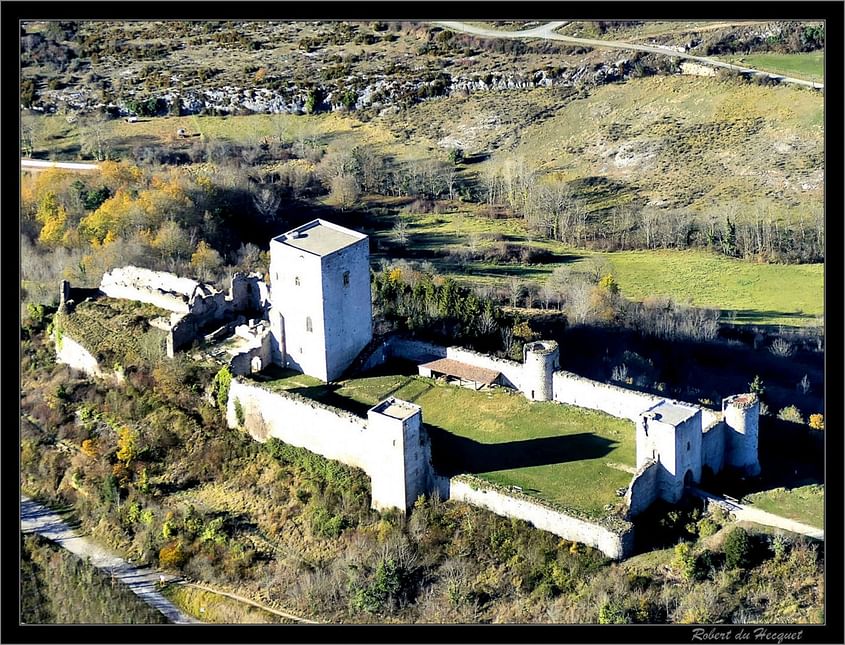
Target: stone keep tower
x,y
540,360
742,418
670,434
321,312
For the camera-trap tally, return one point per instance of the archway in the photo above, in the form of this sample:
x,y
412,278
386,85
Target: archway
x,y
688,479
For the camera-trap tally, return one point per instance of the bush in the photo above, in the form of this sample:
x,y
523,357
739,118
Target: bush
x,y
817,421
171,556
737,549
220,387
791,413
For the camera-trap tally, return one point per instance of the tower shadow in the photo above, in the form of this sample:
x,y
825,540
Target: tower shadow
x,y
455,455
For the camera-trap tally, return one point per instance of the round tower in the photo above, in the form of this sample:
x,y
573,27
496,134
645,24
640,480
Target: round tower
x,y
540,360
742,418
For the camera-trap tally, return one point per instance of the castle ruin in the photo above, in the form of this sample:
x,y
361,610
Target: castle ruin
x,y
316,317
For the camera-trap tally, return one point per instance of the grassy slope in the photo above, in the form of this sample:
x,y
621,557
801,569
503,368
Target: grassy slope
x,y
809,66
804,504
694,141
210,607
558,452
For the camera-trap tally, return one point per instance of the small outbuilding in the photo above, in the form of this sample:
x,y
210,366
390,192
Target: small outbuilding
x,y
453,371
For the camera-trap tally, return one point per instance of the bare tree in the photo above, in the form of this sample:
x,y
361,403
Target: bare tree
x,y
266,200
344,190
400,232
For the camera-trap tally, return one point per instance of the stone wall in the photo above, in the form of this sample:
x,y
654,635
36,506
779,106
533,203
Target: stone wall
x,y
642,492
71,353
414,350
713,447
383,453
616,401
158,288
616,545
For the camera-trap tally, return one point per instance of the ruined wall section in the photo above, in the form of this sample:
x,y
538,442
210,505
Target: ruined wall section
x,y
643,489
614,542
71,353
158,288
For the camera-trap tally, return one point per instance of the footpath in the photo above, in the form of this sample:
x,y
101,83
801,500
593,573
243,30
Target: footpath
x,y
142,581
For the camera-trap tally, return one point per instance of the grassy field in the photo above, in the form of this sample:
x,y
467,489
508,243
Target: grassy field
x,y
573,457
757,293
809,66
210,607
804,504
775,294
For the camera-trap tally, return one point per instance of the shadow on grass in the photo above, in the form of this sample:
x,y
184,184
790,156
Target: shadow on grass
x,y
455,455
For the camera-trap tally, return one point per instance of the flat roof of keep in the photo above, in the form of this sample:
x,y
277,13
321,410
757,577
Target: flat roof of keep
x,y
320,237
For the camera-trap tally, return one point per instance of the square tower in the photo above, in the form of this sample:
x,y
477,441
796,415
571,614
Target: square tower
x,y
321,313
670,433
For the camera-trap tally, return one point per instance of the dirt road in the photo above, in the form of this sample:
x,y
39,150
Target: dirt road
x,y
743,512
142,581
37,164
547,32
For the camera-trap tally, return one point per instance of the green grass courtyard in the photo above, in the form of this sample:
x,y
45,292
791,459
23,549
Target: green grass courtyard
x,y
572,457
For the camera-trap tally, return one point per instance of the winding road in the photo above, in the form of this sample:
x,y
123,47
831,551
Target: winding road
x,y
142,581
547,32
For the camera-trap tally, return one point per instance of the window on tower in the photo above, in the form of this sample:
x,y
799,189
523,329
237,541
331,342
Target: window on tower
x,y
308,326
296,281
346,278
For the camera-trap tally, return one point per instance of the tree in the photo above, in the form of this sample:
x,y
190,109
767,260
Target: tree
x,y
757,387
93,135
206,261
791,413
400,232
737,548
345,191
53,219
817,421
266,201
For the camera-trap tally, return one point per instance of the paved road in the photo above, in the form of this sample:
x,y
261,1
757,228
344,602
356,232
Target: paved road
x,y
36,518
37,164
547,32
751,514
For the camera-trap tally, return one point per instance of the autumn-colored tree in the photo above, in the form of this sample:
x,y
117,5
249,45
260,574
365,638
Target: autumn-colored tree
x,y
171,556
89,448
113,217
127,445
53,218
817,421
206,260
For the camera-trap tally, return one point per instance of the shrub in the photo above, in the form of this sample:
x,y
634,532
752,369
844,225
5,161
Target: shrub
x,y
239,413
707,527
791,413
220,387
817,421
737,548
171,556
